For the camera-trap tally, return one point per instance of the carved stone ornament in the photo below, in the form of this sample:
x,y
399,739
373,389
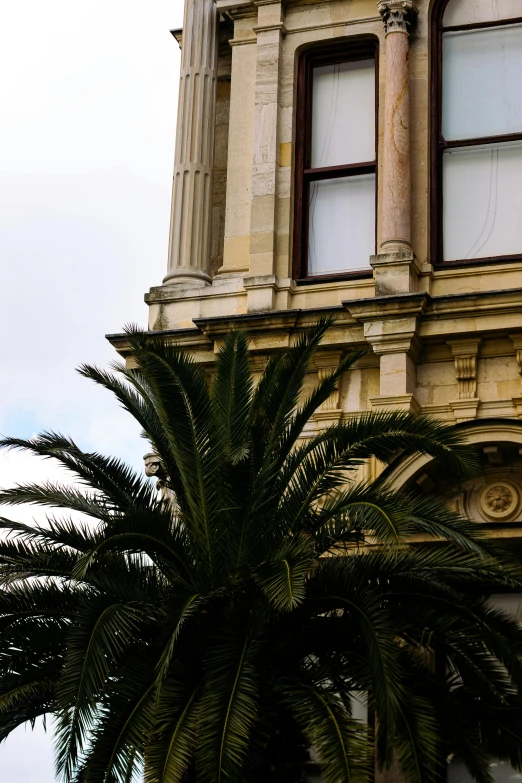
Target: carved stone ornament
x,y
465,353
153,466
154,469
499,500
396,14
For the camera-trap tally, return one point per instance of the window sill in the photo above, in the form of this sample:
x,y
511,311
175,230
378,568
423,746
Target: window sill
x,y
440,265
357,274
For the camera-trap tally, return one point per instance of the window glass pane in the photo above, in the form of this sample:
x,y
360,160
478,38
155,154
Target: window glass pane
x,y
342,224
360,706
482,74
482,192
473,11
343,114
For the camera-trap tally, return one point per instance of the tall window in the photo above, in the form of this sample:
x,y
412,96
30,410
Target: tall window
x,y
478,204
334,228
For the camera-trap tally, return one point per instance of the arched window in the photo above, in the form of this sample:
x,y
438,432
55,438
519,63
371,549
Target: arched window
x,y
477,131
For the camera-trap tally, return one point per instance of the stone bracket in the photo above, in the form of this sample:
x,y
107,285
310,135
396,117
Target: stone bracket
x,y
403,341
326,363
390,308
390,327
465,355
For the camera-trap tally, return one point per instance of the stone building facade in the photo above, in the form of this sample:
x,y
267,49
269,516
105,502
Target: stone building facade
x,y
364,158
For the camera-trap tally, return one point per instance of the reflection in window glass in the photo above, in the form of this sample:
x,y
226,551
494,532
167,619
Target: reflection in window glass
x,y
343,113
473,11
482,201
342,224
491,58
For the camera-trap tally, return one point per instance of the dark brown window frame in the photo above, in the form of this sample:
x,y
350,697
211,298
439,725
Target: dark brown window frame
x,y
350,50
439,144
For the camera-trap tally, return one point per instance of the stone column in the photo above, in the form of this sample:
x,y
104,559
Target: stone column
x,y
191,216
395,233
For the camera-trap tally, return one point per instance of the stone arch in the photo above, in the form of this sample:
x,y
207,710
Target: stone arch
x,y
494,497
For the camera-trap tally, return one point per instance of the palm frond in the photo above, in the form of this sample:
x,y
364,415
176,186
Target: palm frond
x,y
340,741
228,708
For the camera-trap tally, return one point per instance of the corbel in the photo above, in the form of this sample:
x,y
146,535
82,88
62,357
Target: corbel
x,y
465,353
326,363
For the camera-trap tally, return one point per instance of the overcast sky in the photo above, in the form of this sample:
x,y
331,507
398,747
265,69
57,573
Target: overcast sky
x,y
88,94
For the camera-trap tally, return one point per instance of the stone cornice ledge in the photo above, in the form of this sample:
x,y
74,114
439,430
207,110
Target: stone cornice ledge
x,y
229,6
483,302
429,307
384,307
236,8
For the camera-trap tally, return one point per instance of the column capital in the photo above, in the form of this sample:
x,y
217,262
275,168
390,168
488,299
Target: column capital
x,y
396,15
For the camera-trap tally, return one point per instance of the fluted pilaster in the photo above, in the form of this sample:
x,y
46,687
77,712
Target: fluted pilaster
x,y
191,216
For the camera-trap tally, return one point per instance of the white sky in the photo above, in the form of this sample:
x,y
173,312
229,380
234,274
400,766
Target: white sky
x,y
88,95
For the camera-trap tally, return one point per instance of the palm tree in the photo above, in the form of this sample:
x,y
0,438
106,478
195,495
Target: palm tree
x,y
219,636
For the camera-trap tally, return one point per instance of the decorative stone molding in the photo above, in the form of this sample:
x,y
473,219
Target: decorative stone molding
x,y
491,498
236,7
499,501
398,402
480,434
464,410
466,370
396,15
465,356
